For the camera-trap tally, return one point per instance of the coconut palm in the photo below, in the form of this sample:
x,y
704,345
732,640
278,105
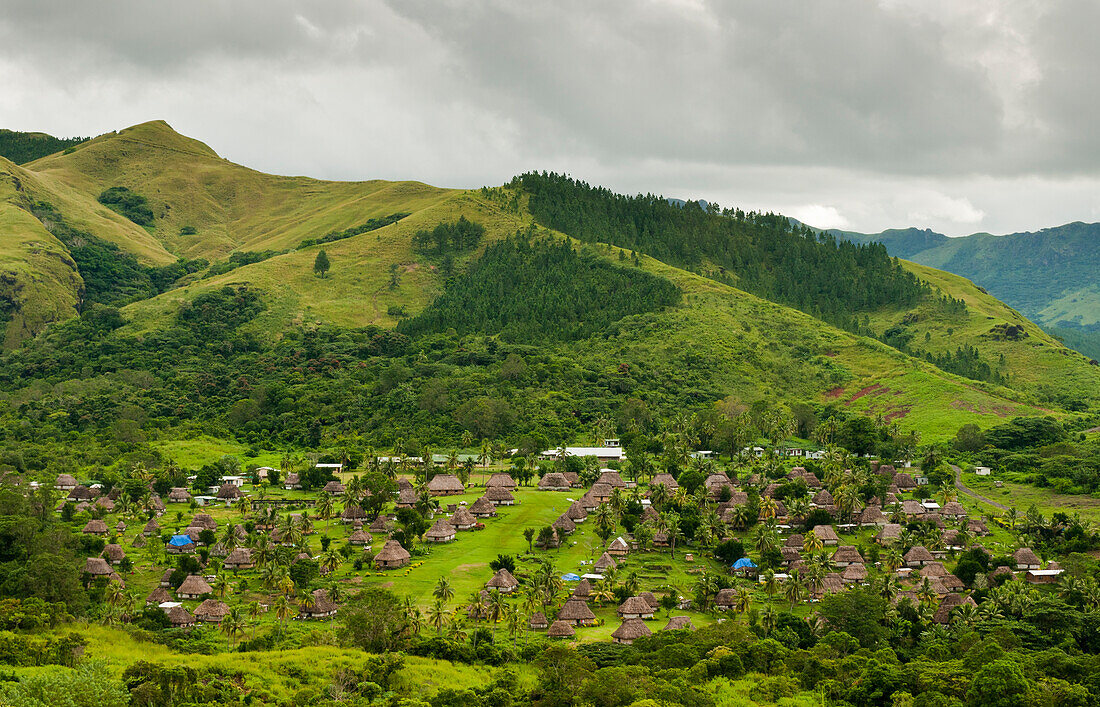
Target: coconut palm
x,y
771,584
495,608
254,612
742,600
925,593
232,625
811,543
330,561
437,615
793,589
221,586
443,590
284,609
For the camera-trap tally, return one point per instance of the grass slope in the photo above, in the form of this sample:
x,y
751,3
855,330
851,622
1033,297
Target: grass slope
x,y
1038,365
231,207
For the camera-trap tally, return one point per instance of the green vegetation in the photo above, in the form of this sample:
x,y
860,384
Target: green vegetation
x,y
21,147
321,265
760,253
133,206
371,225
239,259
530,290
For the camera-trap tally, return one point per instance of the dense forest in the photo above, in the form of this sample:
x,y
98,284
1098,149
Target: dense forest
x,y
760,253
532,289
21,147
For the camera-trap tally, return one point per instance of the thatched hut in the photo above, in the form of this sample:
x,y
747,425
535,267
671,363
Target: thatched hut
x,y
180,617
554,482
95,527
239,559
114,553
576,613
445,485
677,623
918,556
462,519
503,581
391,556
441,532
635,608
157,597
604,563
179,495
499,496
320,607
630,630
211,611
360,537
501,480
97,567
561,630
193,587
482,508
538,621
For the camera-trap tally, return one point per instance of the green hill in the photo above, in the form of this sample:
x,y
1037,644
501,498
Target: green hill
x,y
226,329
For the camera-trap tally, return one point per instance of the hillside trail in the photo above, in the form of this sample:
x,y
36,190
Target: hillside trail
x,y
960,486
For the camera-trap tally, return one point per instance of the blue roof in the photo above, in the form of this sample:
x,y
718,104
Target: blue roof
x,y
743,562
571,577
180,540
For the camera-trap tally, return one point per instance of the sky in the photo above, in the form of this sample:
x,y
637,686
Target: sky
x,y
961,117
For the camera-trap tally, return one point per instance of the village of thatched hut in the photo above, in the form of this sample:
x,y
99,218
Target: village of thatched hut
x,y
239,559
554,482
635,608
320,606
500,496
180,617
576,613
97,567
603,564
95,527
462,519
538,621
482,508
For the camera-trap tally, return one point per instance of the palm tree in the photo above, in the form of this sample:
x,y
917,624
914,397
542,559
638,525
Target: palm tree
x,y
232,625
742,600
925,593
437,615
325,507
254,611
672,529
284,609
330,561
771,584
811,543
443,590
495,609
893,559
793,589
221,586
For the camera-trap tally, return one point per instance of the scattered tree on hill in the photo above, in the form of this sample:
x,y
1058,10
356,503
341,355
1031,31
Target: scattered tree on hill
x,y
321,265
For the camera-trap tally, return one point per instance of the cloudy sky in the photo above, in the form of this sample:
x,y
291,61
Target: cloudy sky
x,y
958,116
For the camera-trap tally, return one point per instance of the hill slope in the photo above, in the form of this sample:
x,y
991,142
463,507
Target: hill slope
x,y
22,147
717,341
1049,275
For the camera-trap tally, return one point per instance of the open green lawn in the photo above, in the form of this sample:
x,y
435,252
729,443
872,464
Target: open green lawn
x,y
1048,501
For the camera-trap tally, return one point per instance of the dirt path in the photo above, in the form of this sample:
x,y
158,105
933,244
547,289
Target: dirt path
x,y
959,485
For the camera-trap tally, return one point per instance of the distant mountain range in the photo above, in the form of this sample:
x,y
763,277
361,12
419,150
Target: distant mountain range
x,y
1052,276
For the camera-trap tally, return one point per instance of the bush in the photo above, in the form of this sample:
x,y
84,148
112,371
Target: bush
x,y
132,206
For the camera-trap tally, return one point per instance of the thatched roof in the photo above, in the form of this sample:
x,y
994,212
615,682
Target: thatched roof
x,y
583,590
904,481
854,573
158,596
576,610
611,478
151,528
871,515
954,509
948,603
502,580
635,605
205,521
561,629
1026,556
406,496
139,542
379,525
606,561
825,533
889,533
618,545
95,527
502,480
666,480
538,621
462,518
179,495
822,498
114,552
194,585
483,507
563,521
790,554
211,610
360,537
445,483
847,553
65,481
178,616
796,541
440,530
334,487
650,599
97,566
292,479
80,492
600,491
554,480
725,597
918,553
239,556
322,605
499,494
403,484
576,512
679,622
227,492
392,552
352,512
631,630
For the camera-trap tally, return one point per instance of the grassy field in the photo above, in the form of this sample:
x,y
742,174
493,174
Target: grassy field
x,y
1046,500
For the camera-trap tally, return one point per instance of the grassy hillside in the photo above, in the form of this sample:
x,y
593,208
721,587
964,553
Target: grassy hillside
x,y
20,147
228,206
1034,362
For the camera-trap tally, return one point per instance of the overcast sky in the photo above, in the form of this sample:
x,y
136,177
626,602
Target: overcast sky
x,y
960,116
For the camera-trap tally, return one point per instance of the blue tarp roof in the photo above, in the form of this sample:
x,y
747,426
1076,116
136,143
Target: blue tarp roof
x,y
180,540
743,562
570,577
